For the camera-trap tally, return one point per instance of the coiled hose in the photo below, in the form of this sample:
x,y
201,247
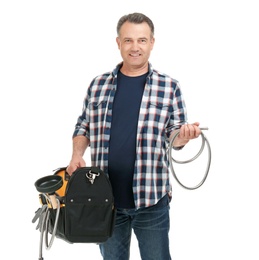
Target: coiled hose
x,y
171,159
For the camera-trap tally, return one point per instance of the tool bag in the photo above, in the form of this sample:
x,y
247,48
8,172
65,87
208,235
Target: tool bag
x,y
86,206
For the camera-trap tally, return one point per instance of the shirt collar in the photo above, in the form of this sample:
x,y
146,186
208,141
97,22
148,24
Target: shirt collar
x,y
117,68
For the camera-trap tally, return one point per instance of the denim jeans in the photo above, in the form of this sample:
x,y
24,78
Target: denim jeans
x,y
151,227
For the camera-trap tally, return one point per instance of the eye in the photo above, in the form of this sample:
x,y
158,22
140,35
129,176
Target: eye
x,y
143,41
127,40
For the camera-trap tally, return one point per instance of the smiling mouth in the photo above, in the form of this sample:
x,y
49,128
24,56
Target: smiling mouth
x,y
134,55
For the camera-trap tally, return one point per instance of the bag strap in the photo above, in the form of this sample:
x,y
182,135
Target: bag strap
x,y
95,170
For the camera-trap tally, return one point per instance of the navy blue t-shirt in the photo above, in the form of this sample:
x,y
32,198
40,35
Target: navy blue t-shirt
x,y
122,147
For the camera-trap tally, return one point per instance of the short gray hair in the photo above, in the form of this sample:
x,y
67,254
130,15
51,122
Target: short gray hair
x,y
135,18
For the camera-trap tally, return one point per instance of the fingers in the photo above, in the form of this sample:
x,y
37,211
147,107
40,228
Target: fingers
x,y
190,131
196,124
70,169
74,164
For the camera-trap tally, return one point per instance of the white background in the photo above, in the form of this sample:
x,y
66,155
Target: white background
x,y
51,50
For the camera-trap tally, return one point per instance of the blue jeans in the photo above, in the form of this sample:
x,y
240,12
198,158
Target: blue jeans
x,y
151,227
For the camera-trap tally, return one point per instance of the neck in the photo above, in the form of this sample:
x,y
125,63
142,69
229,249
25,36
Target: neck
x,y
134,70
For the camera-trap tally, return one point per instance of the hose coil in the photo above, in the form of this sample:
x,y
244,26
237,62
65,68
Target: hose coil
x,y
171,159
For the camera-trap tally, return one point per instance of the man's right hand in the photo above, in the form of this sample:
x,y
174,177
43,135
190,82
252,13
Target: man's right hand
x,y
75,163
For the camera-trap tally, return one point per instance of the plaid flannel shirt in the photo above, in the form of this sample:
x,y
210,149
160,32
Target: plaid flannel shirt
x,y
162,110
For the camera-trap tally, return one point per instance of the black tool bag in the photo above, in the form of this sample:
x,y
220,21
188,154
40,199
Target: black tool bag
x,y
86,211
89,206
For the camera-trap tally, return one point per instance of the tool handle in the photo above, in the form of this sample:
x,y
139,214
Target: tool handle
x,y
53,201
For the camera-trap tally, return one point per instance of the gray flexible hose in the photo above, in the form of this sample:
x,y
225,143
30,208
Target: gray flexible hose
x,y
47,242
171,159
45,226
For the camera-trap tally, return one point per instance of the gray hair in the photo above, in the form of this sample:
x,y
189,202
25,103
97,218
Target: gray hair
x,y
136,18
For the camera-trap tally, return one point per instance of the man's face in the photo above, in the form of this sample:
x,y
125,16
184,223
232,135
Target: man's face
x,y
135,43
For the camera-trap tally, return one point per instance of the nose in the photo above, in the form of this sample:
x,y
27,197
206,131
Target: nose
x,y
135,46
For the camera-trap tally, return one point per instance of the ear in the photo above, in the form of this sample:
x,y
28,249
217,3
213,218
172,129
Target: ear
x,y
152,41
118,42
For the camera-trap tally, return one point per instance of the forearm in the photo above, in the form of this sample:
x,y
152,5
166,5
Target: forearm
x,y
80,143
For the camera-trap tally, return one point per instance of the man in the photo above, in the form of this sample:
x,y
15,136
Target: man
x,y
128,117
